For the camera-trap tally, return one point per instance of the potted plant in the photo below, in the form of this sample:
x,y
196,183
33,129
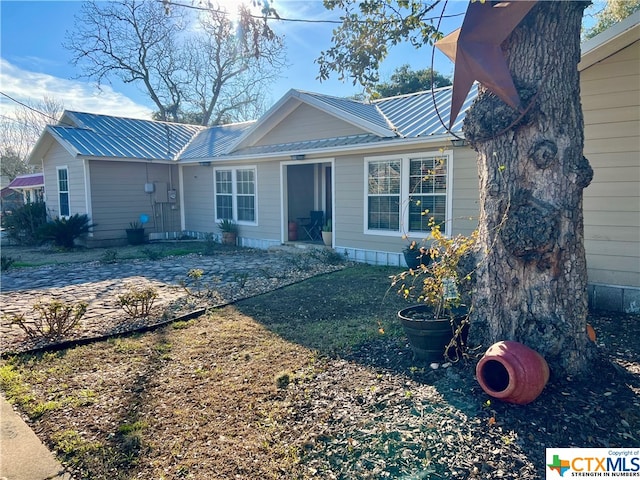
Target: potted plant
x,y
135,233
436,325
416,255
229,231
326,233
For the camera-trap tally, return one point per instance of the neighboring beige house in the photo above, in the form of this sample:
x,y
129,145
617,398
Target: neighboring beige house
x,y
362,165
610,92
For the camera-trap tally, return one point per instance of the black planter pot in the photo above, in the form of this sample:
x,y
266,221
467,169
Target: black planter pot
x,y
430,336
414,258
135,236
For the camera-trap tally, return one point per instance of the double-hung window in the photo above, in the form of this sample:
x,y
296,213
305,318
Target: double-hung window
x,y
235,194
405,192
63,191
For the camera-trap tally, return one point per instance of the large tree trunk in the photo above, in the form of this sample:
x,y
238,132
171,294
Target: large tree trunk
x,y
531,281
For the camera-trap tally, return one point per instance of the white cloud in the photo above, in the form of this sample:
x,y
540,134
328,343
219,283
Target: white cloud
x,y
24,85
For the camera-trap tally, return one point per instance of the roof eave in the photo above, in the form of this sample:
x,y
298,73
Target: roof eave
x,y
612,40
348,117
326,152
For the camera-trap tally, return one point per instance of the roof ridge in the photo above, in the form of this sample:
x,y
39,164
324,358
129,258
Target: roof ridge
x,y
403,95
76,112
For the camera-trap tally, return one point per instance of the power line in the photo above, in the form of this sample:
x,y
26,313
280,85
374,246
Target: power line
x,y
279,18
29,107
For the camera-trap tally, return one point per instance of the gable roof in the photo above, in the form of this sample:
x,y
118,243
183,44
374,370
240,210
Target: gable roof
x,y
93,135
410,116
28,180
414,115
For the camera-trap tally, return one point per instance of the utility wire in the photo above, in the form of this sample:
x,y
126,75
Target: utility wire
x,y
279,18
28,106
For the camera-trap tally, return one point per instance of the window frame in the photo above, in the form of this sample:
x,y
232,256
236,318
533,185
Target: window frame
x,y
405,193
234,193
59,169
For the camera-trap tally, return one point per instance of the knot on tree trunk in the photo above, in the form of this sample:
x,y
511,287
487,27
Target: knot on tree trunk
x,y
544,153
531,228
490,117
578,165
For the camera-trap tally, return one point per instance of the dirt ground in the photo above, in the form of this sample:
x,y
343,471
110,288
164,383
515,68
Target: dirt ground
x,y
315,380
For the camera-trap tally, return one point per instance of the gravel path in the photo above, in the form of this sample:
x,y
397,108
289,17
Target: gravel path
x,y
230,276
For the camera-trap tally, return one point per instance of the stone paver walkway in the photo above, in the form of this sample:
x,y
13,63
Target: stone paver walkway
x,y
235,275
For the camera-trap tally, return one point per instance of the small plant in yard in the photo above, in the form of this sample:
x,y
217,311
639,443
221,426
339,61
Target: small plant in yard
x,y
138,302
6,262
438,284
241,278
210,247
65,231
55,319
152,254
196,287
109,256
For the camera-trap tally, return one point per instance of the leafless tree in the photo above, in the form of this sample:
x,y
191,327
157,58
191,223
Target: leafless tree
x,y
20,131
196,66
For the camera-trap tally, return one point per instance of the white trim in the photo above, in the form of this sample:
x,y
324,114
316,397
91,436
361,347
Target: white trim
x,y
87,191
319,164
66,168
234,193
183,219
392,145
405,162
610,41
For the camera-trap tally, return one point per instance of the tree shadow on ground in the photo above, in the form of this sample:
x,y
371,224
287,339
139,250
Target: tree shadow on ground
x,y
343,315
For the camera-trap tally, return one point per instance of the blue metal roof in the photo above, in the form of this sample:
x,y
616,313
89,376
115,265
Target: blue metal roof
x,y
365,138
406,116
414,115
214,141
105,136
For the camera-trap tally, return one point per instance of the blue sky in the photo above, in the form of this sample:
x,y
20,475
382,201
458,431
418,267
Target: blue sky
x,y
34,63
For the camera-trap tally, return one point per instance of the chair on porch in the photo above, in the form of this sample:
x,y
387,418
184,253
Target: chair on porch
x,y
313,226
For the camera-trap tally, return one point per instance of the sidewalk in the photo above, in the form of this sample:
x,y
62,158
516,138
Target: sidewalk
x,y
22,454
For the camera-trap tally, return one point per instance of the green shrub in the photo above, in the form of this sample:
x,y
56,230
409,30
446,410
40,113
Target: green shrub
x,y
109,256
152,254
6,262
64,231
23,224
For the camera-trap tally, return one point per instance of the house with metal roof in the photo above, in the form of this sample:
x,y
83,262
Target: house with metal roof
x,y
303,155
29,185
370,169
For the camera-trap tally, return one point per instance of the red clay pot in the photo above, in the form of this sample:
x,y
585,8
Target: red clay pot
x,y
512,372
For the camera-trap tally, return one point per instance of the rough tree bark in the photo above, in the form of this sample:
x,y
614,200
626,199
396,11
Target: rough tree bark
x,y
531,281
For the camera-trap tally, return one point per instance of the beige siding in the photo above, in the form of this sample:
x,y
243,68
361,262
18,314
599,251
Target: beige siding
x,y
465,191
199,211
269,203
350,204
308,123
611,104
57,156
199,200
118,197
